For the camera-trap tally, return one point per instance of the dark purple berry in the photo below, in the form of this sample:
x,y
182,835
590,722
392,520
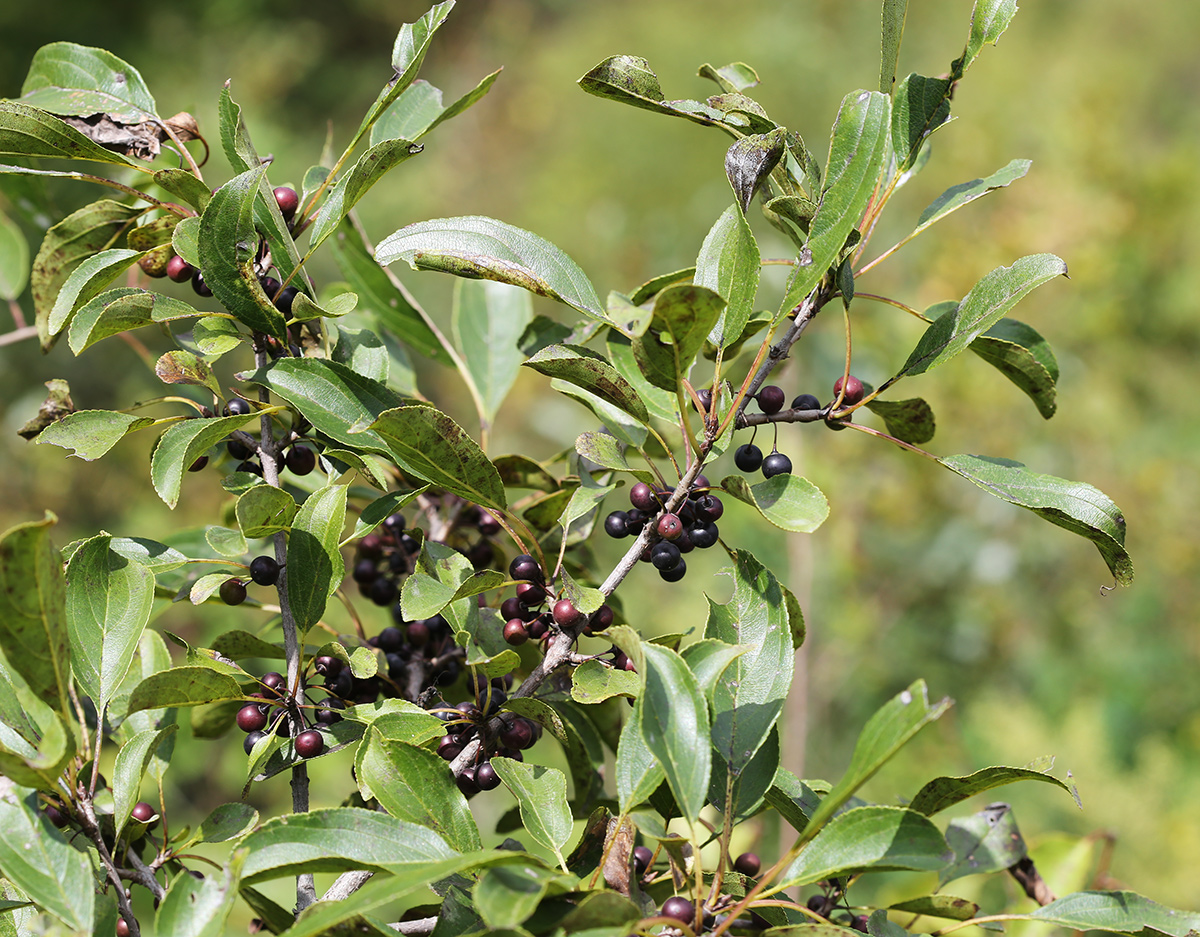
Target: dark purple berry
x,y
704,536
674,574
515,632
250,718
486,777
449,748
488,524
365,571
525,567
617,524
199,464
383,591
770,398
806,402
466,782
747,863
642,857
566,614
252,739
252,468
748,458
283,301
329,666
179,269
705,396
309,744
708,508
300,460
269,285
55,815
776,464
517,733
328,711
390,639
642,497
237,407
665,556
239,450
287,200
199,286
600,619
142,812
233,592
680,909
537,628
699,487
418,633
264,570
531,594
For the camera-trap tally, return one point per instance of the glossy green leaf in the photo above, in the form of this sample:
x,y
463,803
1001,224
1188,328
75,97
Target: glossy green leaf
x,y
879,838
330,396
989,20
541,793
314,563
748,695
335,840
987,841
858,151
91,433
487,319
264,510
483,248
943,792
87,281
623,427
186,239
684,315
787,501
393,307
980,309
892,31
225,541
594,682
132,761
708,659
749,161
428,444
119,310
226,822
228,243
35,758
182,444
38,859
661,403
728,264
30,131
885,733
344,194
1120,912
1074,506
1025,358
415,785
957,196
674,715
65,78
109,598
33,626
182,686
199,907
909,420
239,645
14,259
150,553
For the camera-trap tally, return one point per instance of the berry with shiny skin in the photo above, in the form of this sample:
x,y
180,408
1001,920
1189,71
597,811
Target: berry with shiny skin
x,y
418,633
515,632
237,406
271,682
288,201
770,398
300,460
525,567
142,812
566,614
642,857
704,536
708,508
233,592
747,863
449,748
122,927
748,457
328,713
669,526
486,777
179,270
806,402
264,570
776,464
518,733
642,497
665,556
705,396
854,390
679,908
531,594
250,718
616,525
309,743
199,464
466,782
601,619
199,286
675,573
327,665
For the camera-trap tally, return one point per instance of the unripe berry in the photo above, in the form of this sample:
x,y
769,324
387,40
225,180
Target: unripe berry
x,y
669,526
642,497
142,812
854,390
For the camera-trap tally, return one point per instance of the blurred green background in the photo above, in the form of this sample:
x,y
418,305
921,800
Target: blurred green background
x,y
917,573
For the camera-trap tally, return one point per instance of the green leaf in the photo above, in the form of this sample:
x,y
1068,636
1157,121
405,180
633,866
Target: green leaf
x,y
30,131
987,841
879,838
885,733
263,511
980,309
415,785
728,264
37,859
183,686
1024,357
33,626
87,281
674,715
186,239
943,906
630,80
314,563
1120,912
749,161
394,308
541,793
858,151
132,761
91,433
909,420
594,682
661,403
944,792
684,315
750,785
428,444
518,471
957,196
483,248
199,907
787,501
226,822
14,259
184,185
894,13
182,444
228,244
109,598
330,396
487,319
748,695
736,76
638,771
1074,506
35,758
419,109
989,20
119,310
380,510
335,840
65,78
150,553
505,896
182,367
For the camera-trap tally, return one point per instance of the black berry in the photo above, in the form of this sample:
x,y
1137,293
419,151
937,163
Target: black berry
x,y
747,863
233,592
300,460
642,857
328,713
770,398
705,396
679,908
237,407
806,402
264,570
199,464
776,464
704,536
284,300
201,288
748,457
486,777
674,574
665,556
309,744
525,567
617,524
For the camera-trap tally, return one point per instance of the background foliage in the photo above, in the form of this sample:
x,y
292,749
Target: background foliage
x,y
920,578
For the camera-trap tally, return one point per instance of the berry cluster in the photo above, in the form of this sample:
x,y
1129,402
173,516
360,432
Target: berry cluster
x,y
469,719
383,558
524,616
692,526
297,458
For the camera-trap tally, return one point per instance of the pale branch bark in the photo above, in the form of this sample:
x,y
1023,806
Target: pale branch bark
x,y
418,928
347,884
805,313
